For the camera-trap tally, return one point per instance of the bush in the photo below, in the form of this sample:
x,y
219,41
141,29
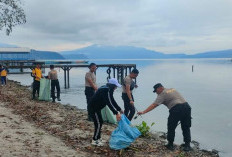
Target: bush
x,y
144,129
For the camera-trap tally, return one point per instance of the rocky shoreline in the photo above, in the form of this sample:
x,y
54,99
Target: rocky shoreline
x,y
66,128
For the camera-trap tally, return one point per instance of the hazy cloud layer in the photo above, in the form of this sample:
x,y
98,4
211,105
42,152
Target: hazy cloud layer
x,y
177,26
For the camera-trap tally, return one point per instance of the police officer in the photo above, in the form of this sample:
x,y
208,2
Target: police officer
x,y
179,110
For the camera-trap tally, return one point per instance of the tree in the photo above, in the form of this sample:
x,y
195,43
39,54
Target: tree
x,y
11,14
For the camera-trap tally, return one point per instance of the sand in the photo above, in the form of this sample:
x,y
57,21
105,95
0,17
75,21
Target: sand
x,y
38,128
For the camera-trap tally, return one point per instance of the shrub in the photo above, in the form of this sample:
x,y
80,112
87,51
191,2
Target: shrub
x,y
144,129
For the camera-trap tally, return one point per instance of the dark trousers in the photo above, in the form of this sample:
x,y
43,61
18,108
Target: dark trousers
x,y
129,109
97,119
36,86
55,84
182,113
89,92
3,79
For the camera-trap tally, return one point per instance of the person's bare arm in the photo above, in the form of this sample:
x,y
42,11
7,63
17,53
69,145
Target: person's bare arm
x,y
151,107
128,92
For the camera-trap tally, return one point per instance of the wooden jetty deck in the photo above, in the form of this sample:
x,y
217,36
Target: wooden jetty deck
x,y
118,71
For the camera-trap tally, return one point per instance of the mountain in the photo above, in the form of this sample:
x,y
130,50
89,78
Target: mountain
x,y
119,52
37,55
129,52
214,54
112,52
7,45
46,55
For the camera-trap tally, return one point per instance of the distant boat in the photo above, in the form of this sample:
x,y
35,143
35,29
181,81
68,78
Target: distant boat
x,y
62,61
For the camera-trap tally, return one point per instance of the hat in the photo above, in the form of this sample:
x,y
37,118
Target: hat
x,y
114,81
157,86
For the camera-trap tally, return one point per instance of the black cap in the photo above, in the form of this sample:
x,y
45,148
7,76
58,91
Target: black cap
x,y
157,86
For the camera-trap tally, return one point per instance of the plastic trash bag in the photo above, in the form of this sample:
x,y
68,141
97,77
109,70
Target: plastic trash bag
x,y
123,135
108,116
44,90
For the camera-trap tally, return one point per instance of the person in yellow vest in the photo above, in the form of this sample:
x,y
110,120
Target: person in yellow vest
x,y
3,73
37,74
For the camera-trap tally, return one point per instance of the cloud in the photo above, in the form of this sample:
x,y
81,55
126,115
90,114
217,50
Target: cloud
x,y
163,25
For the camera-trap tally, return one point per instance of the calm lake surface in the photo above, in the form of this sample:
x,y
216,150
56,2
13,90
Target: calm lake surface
x,y
208,89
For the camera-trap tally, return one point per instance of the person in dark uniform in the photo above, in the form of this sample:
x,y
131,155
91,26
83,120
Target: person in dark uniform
x,y
103,97
179,110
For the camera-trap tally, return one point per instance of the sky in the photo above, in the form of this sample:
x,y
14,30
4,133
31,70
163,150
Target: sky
x,y
168,26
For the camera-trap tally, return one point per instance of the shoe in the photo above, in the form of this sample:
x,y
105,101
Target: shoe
x,y
187,147
170,146
102,141
58,99
97,143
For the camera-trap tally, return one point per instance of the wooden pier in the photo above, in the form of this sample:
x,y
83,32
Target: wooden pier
x,y
118,71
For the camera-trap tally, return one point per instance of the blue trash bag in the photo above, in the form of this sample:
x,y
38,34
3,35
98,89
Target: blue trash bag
x,y
123,135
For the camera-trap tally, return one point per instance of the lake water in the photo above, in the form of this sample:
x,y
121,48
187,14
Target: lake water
x,y
208,89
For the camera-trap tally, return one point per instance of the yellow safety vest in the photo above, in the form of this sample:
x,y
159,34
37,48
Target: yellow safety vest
x,y
3,72
38,74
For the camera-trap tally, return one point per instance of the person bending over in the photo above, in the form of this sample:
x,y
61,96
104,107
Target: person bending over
x,y
103,97
179,110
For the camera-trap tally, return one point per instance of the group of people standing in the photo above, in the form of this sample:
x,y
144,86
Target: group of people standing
x,y
98,98
52,75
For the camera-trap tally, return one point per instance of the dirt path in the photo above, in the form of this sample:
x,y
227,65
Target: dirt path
x,y
20,138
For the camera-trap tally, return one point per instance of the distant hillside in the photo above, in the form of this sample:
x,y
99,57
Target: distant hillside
x,y
213,54
46,55
111,52
38,55
129,52
7,45
119,52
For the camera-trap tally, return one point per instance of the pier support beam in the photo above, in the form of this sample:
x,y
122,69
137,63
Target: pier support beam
x,y
66,76
119,72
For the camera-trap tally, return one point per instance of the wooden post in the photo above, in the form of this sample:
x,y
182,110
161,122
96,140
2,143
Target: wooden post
x,y
125,71
68,68
68,75
135,78
118,73
108,71
114,72
21,67
122,74
65,69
